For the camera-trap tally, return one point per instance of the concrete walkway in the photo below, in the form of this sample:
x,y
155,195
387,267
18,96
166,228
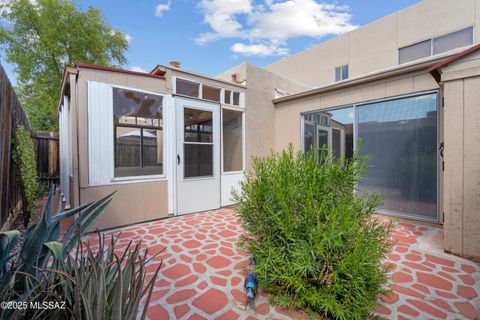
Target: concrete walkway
x,y
203,272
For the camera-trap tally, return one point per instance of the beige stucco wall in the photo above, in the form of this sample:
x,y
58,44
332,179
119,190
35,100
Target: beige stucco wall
x,y
461,81
260,126
375,45
133,202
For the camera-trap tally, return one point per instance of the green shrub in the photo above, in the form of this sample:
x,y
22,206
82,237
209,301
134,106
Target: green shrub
x,y
24,156
315,241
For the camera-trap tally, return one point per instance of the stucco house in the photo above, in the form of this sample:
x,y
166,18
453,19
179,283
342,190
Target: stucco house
x,y
173,141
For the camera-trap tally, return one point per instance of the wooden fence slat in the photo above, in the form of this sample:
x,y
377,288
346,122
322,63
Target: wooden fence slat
x,y
11,113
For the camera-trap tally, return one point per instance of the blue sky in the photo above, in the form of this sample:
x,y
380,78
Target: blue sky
x,y
211,36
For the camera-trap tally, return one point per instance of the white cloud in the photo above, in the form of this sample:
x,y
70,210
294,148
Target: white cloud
x,y
161,8
267,26
262,50
128,37
137,69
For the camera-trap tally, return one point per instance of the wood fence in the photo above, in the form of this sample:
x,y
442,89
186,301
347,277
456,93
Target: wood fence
x,y
11,113
46,147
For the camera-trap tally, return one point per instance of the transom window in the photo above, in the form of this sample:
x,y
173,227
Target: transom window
x,y
138,131
423,49
206,92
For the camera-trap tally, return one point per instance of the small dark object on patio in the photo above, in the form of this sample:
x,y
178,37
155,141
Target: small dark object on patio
x,y
250,283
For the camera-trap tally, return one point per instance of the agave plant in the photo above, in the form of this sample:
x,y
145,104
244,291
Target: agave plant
x,y
98,284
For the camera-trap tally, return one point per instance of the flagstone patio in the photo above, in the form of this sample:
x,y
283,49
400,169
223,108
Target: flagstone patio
x,y
203,272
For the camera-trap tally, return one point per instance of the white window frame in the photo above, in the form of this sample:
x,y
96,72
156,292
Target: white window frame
x,y
165,160
243,139
174,87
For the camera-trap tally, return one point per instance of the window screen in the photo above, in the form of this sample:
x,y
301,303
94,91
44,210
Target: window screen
x,y
415,51
211,93
400,137
232,140
138,130
453,40
187,88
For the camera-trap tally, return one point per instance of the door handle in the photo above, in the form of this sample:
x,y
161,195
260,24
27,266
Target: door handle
x,y
178,159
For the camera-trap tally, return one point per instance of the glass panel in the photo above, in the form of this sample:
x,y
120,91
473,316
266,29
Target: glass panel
x,y
309,137
236,98
400,136
415,51
341,122
338,73
211,93
232,140
228,94
453,40
127,147
345,72
198,160
197,125
152,148
187,88
336,143
137,108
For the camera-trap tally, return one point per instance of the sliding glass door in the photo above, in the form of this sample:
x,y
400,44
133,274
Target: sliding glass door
x,y
401,138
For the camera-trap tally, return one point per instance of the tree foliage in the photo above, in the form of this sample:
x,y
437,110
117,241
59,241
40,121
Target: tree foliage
x,y
315,241
40,38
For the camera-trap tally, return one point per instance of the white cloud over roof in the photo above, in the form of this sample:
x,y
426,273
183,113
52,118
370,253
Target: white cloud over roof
x,y
266,26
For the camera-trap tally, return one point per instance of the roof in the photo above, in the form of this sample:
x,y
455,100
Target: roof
x,y
137,73
435,69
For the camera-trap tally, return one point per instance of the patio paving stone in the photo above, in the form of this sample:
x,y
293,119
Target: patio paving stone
x,y
203,271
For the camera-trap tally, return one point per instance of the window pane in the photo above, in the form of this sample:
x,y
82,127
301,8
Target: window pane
x,y
338,73
345,72
153,148
228,94
415,51
337,123
197,125
211,93
236,98
400,136
309,137
187,88
198,160
137,108
127,149
453,40
232,140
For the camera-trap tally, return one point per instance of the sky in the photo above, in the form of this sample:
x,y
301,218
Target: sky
x,y
212,36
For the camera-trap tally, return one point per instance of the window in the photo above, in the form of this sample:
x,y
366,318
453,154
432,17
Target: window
x,y
198,143
457,39
138,131
211,93
415,51
228,97
236,98
453,40
232,140
187,88
341,73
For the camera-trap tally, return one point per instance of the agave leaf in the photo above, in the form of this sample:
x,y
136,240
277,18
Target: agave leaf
x,y
150,287
91,218
56,248
117,307
8,239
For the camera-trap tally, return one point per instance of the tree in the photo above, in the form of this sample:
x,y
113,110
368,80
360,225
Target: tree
x,y
41,37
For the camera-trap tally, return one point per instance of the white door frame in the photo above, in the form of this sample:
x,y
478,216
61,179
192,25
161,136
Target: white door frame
x,y
204,193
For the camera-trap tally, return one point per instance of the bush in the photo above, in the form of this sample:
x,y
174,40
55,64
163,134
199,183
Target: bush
x,y
315,241
24,157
